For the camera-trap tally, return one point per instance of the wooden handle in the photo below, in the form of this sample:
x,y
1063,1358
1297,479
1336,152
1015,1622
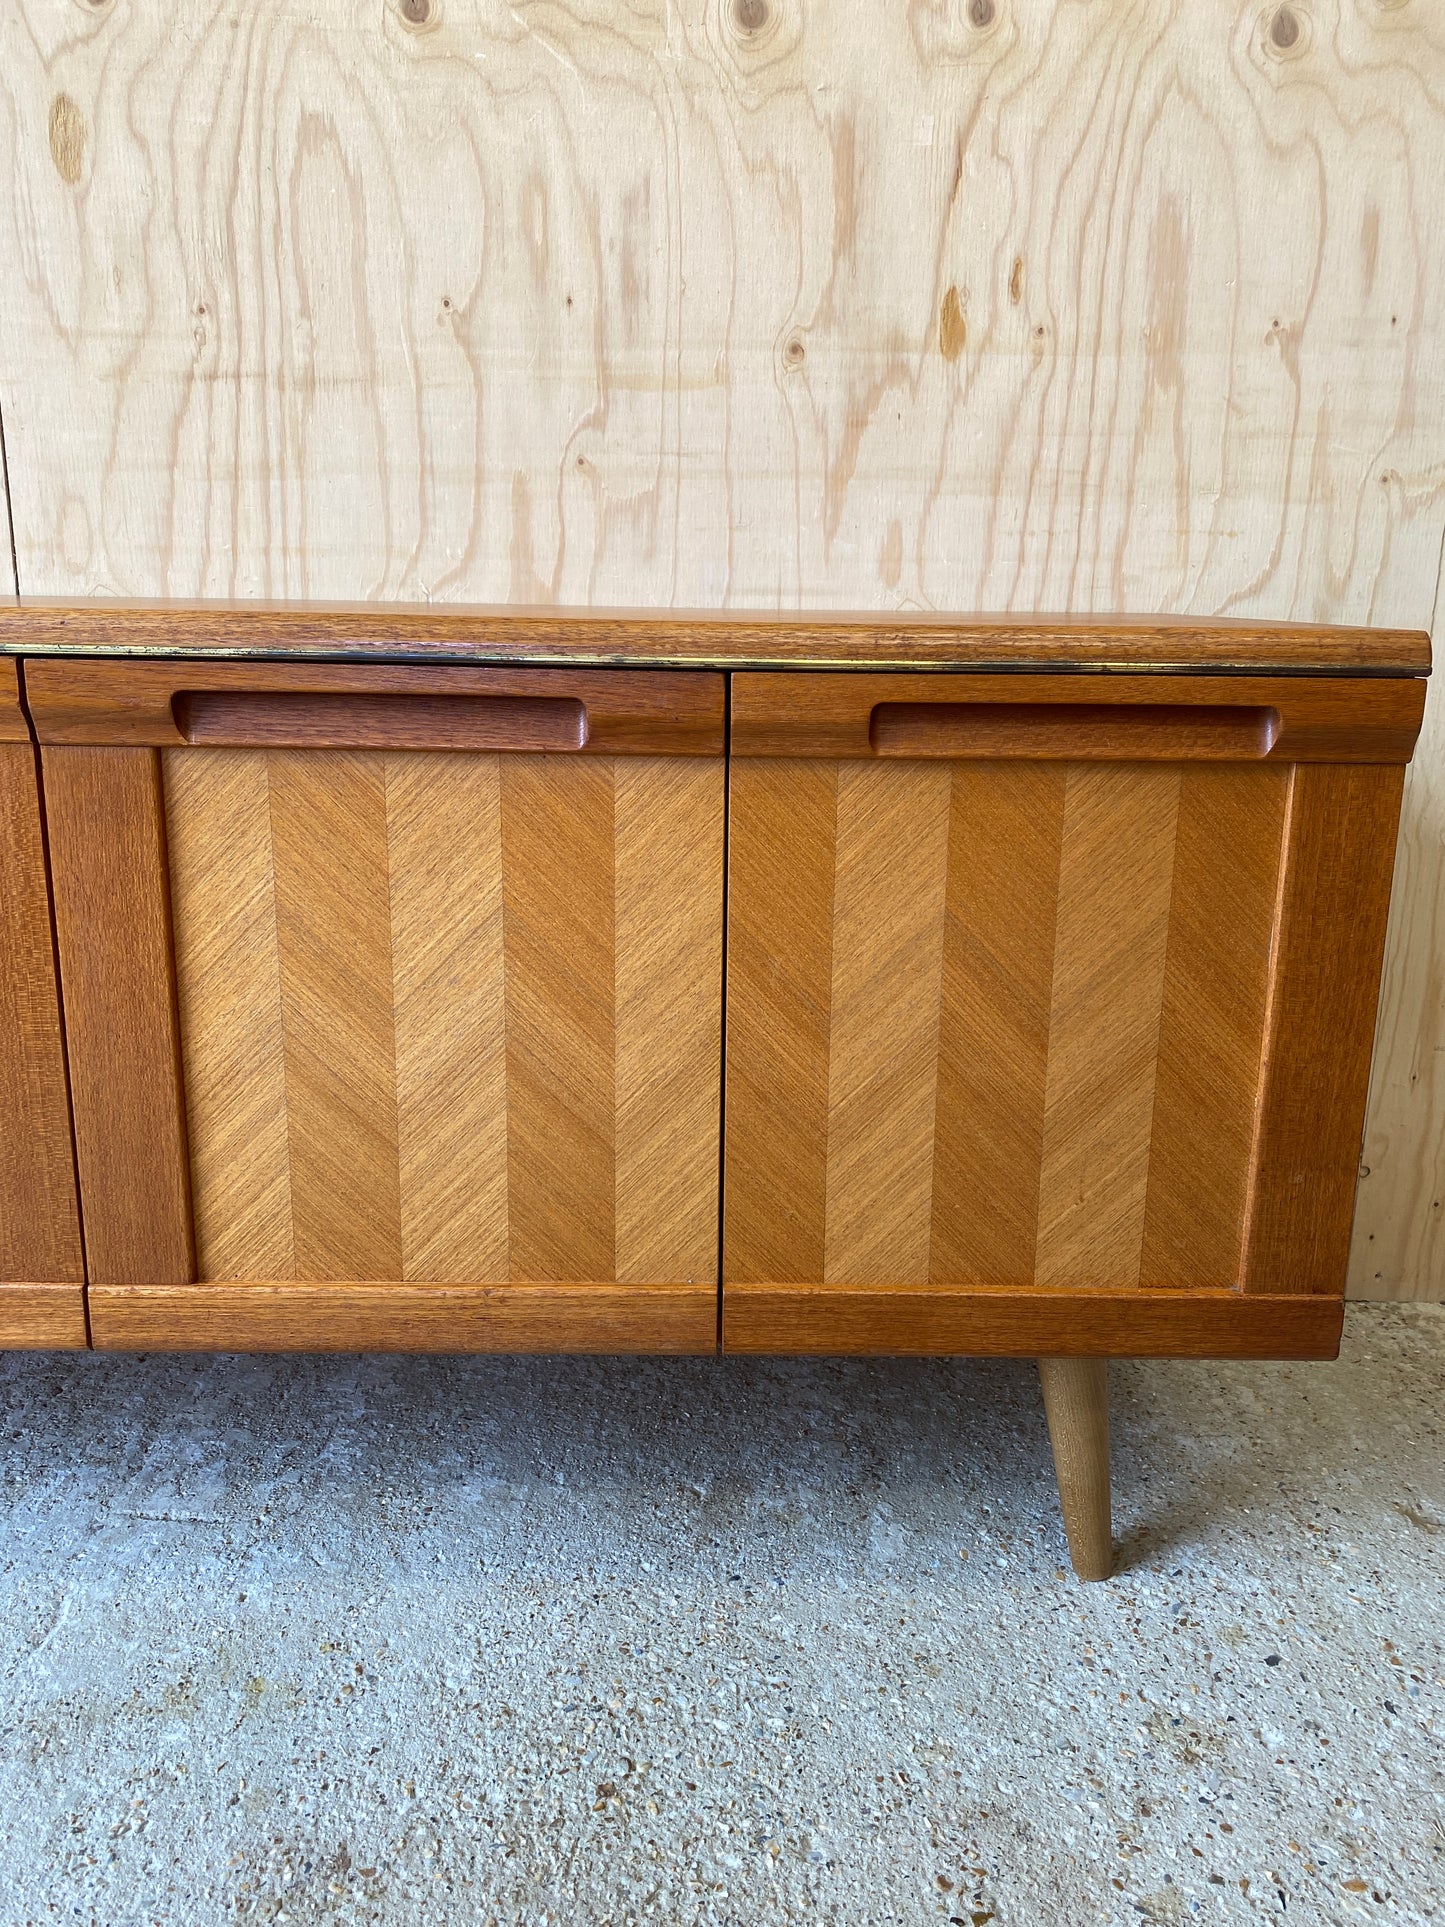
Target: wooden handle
x,y
1150,732
277,719
397,706
1116,718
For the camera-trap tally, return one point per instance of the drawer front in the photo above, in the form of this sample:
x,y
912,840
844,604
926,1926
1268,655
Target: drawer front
x,y
422,1018
1025,994
41,1270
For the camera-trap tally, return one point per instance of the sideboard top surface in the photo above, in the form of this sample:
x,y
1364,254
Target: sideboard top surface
x,y
719,640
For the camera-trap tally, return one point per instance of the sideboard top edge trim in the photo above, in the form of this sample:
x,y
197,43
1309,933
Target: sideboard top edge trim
x,y
660,639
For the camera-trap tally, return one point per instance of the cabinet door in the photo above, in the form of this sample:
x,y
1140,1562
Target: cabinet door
x,y
1050,1003
42,1298
394,1002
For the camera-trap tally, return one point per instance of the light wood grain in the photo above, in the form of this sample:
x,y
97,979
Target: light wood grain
x,y
668,928
889,890
449,1018
228,976
1076,1400
1116,874
850,309
1000,917
1399,1235
444,853
1001,1023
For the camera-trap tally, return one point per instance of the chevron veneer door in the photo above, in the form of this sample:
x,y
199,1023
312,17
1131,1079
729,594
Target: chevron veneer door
x,y
1041,1012
447,1031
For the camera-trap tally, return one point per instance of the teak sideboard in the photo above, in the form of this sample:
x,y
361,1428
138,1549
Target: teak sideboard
x,y
400,980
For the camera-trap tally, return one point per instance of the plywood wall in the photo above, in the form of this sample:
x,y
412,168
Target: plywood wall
x,y
974,304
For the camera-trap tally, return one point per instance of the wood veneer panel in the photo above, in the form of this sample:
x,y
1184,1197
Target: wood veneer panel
x,y
233,1038
997,985
518,634
105,816
1226,869
782,832
1115,875
890,882
355,1316
668,1016
558,898
444,857
923,1320
333,923
39,1226
1325,985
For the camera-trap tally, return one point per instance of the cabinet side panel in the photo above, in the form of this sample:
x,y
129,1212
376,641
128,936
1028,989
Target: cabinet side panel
x,y
444,841
782,830
1339,853
228,982
1115,875
1227,858
558,826
39,1229
998,969
105,815
668,988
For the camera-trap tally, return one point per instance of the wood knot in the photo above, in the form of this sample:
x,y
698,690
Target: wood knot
x,y
1284,28
416,13
67,138
981,12
794,353
952,327
750,16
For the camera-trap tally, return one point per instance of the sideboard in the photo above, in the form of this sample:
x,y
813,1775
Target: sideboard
x,y
388,979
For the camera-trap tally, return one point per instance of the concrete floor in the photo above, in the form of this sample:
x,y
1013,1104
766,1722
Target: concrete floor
x,y
603,1641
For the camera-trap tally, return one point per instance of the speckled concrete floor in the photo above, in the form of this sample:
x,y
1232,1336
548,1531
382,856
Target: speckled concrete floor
x,y
602,1641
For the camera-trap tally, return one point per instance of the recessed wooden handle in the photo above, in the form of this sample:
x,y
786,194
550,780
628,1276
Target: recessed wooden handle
x,y
243,718
1153,732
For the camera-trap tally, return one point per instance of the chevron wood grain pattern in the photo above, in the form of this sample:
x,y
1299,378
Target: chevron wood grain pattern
x,y
353,1316
558,891
1228,851
668,992
444,853
889,887
1116,869
1001,910
964,1002
450,1018
328,839
106,823
39,1227
1325,984
782,855
228,970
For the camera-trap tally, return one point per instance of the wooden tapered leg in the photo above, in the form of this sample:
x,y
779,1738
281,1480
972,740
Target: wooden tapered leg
x,y
1076,1401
